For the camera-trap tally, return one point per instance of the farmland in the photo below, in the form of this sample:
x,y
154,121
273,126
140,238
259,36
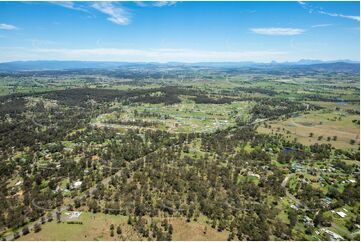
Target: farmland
x,y
327,126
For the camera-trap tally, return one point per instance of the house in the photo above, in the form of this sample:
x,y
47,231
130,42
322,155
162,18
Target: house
x,y
295,167
76,184
73,214
307,221
253,174
341,214
333,235
295,207
68,149
327,201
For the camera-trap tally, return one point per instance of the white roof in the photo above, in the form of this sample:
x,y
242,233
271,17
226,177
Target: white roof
x,y
294,207
77,184
333,234
341,214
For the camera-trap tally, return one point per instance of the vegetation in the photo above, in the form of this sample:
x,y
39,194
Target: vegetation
x,y
231,155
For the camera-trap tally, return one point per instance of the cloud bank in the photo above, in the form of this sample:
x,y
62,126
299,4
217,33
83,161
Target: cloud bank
x,y
277,31
149,55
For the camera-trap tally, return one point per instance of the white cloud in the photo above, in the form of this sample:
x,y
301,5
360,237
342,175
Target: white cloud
x,y
321,25
7,27
155,4
312,9
164,3
149,55
277,31
69,5
141,4
116,14
357,18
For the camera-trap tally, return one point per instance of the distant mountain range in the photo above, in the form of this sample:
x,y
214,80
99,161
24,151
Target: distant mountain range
x,y
335,66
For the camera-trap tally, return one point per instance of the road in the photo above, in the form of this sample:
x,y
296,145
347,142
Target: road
x,y
285,181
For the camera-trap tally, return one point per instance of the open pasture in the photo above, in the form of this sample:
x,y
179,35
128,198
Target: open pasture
x,y
324,126
97,227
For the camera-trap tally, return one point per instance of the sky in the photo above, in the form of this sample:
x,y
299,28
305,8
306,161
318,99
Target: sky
x,y
179,31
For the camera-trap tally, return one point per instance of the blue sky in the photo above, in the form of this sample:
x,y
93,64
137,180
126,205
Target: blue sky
x,y
179,31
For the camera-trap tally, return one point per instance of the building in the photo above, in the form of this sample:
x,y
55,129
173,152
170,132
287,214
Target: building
x,y
295,207
250,173
73,214
327,201
333,235
76,184
307,221
341,214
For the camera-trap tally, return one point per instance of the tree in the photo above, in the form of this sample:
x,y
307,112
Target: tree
x,y
319,219
119,230
16,235
221,225
309,230
130,221
25,230
49,217
231,236
292,216
284,157
37,228
58,216
170,229
77,203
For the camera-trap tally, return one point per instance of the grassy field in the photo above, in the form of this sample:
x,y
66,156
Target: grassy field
x,y
94,227
316,127
97,227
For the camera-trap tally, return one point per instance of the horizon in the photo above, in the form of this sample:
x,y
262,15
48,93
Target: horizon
x,y
186,32
180,62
